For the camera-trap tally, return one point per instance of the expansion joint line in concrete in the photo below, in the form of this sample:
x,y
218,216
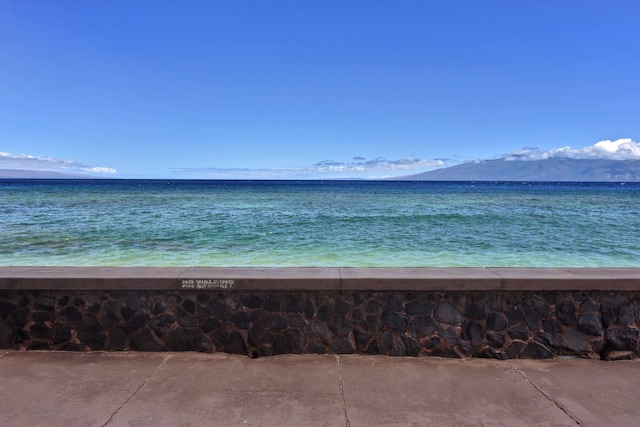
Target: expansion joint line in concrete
x,y
534,385
341,385
164,361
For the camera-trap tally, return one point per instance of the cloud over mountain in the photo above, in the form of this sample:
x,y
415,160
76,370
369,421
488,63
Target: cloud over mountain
x,y
29,162
620,149
606,161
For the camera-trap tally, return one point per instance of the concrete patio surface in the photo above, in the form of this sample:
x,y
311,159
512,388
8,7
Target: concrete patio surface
x,y
194,389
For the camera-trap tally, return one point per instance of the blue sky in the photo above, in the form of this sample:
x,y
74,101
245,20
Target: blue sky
x,y
312,89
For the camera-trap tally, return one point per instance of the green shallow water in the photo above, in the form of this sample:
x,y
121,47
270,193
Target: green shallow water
x,y
314,223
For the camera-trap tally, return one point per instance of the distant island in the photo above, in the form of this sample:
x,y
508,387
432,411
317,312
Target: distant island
x,y
552,169
35,174
557,169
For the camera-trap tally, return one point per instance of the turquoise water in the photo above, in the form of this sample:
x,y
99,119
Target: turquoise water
x,y
315,223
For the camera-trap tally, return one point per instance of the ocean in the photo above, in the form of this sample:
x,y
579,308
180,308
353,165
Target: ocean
x,y
318,223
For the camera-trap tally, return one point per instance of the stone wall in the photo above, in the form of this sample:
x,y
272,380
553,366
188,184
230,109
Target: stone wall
x,y
491,324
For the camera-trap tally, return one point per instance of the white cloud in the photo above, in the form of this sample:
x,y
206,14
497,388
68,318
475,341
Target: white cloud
x,y
620,149
29,162
329,169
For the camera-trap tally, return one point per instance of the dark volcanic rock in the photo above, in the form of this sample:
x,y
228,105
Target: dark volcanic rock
x,y
472,331
110,319
342,345
495,339
432,343
63,334
519,332
189,306
342,307
43,316
324,314
159,308
145,341
589,306
6,308
373,349
289,341
235,344
405,346
21,317
394,304
259,336
373,323
445,352
532,319
211,325
623,338
161,325
117,339
294,304
475,311
535,350
40,330
296,320
357,319
627,315
373,307
319,330
566,312
6,333
45,306
385,342
490,353
279,322
272,304
448,313
608,315
362,339
449,334
40,345
261,318
241,319
514,349
342,326
252,301
188,340
315,347
397,322
574,342
418,307
496,322
219,310
514,315
547,340
553,326
92,333
590,323
423,326
139,321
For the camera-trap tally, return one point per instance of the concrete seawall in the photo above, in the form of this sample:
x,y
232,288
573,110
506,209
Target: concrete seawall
x,y
503,313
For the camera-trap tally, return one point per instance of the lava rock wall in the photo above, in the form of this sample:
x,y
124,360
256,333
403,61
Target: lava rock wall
x,y
500,324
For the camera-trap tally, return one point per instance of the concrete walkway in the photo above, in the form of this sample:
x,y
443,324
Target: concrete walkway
x,y
191,389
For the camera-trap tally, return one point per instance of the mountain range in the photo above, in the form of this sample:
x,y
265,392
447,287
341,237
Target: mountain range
x,y
36,174
551,169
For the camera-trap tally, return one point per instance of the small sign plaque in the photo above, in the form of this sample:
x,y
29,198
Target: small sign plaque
x,y
206,284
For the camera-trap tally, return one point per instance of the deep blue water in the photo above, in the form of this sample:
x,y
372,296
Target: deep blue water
x,y
318,223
